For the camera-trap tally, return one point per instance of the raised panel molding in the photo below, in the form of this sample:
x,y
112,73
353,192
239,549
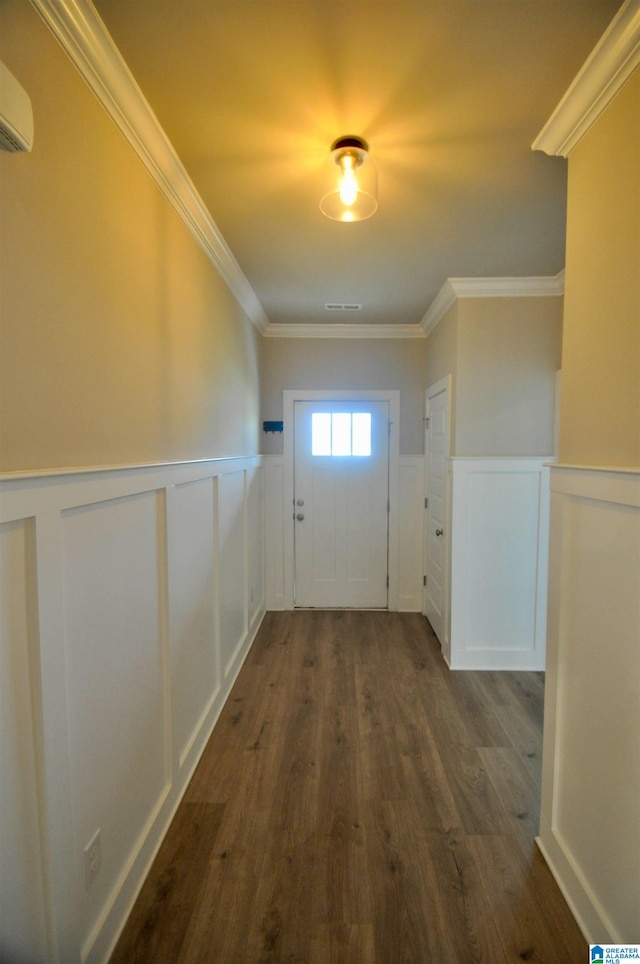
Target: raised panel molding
x,y
194,630
589,821
122,668
232,565
24,907
499,545
274,535
256,588
116,670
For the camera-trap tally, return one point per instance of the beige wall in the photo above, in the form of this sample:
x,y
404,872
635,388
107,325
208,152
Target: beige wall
x,y
503,354
592,839
442,354
323,363
509,350
442,359
119,342
600,412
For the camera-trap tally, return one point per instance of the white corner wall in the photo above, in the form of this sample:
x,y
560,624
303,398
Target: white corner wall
x,y
499,549
128,601
590,817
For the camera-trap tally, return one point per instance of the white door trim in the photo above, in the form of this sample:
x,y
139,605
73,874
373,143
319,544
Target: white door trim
x,y
289,396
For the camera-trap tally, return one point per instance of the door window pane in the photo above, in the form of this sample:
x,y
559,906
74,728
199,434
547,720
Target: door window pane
x,y
361,433
341,433
321,433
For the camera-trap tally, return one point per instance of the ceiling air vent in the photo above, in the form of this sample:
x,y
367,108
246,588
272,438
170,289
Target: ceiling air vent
x,y
334,306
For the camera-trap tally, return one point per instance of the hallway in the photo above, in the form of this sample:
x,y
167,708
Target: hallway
x,y
359,803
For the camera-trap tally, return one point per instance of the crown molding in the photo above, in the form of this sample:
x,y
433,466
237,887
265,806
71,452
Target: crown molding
x,y
608,67
86,41
541,286
344,331
438,307
536,286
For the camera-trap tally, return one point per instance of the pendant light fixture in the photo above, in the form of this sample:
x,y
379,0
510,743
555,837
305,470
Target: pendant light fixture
x,y
351,181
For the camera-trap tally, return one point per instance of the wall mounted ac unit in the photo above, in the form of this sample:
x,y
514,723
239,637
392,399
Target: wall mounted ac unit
x,y
16,116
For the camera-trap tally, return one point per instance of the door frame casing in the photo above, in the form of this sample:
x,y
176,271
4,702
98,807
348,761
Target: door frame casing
x,y
289,397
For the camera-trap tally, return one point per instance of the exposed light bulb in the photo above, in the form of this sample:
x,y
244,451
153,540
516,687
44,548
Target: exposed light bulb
x,y
348,184
350,181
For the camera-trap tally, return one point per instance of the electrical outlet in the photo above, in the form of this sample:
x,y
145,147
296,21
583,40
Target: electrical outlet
x,y
92,859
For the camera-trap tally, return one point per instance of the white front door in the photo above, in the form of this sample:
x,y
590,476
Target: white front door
x,y
437,451
341,503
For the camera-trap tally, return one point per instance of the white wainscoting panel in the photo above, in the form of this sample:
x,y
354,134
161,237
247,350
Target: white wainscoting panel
x,y
112,559
195,673
232,565
22,890
499,549
274,531
590,818
129,599
255,554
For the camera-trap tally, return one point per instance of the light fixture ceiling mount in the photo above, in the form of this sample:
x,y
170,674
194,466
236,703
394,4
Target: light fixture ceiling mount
x,y
351,181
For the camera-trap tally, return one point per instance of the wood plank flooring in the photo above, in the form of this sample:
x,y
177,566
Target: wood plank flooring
x,y
359,804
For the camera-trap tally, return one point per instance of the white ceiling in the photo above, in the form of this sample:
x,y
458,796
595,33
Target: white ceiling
x,y
448,94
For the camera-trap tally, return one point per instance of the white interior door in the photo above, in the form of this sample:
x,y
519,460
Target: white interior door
x,y
437,451
341,503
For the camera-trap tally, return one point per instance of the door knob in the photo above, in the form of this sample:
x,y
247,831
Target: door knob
x,y
300,517
300,502
439,532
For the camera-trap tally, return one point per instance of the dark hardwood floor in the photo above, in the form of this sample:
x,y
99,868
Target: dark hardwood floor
x,y
359,803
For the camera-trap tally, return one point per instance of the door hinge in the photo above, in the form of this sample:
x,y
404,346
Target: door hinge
x,y
388,505
424,580
387,582
426,503
426,421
